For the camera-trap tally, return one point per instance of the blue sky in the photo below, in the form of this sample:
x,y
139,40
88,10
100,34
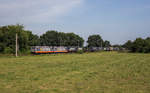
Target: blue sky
x,y
115,20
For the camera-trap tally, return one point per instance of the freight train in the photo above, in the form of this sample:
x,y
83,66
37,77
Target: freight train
x,y
53,49
63,49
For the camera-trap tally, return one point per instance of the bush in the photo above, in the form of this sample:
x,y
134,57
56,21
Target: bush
x,y
80,52
1,47
8,50
24,52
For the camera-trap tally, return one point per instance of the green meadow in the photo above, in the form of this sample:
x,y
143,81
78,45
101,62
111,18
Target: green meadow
x,y
102,72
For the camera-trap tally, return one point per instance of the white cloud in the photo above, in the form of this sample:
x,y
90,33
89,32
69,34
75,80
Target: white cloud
x,y
34,11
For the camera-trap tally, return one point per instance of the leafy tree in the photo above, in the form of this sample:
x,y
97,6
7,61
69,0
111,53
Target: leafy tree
x,y
54,38
2,47
139,45
8,38
106,44
50,38
95,41
74,40
147,45
33,39
128,45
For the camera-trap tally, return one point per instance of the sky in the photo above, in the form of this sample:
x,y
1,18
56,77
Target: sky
x,y
114,20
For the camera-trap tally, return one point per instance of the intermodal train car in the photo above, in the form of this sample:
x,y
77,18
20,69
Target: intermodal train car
x,y
53,49
94,49
48,49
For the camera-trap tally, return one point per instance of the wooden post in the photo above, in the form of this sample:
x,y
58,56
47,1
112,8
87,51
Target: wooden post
x,y
101,45
16,44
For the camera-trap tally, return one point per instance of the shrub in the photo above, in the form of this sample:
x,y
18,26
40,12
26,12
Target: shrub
x,y
80,52
1,47
8,50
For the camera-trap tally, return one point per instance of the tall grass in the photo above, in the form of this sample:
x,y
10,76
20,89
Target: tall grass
x,y
106,72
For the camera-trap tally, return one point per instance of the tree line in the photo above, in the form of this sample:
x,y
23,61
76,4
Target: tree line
x,y
26,39
139,45
7,38
97,41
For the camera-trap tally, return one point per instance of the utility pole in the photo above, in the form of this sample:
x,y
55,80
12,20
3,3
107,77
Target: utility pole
x,y
101,45
16,44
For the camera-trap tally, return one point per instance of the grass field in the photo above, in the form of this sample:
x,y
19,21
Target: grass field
x,y
106,72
